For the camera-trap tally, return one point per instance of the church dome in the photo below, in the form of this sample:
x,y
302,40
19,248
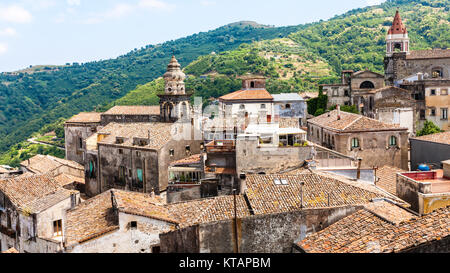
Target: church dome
x,y
174,71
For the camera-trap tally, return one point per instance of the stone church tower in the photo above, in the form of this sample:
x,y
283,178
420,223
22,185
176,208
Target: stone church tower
x,y
174,104
397,50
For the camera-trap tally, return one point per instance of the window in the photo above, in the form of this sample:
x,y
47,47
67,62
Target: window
x,y
138,154
188,149
172,152
119,140
140,175
437,73
252,85
80,142
120,151
433,92
444,113
242,107
392,141
422,114
57,228
346,93
133,225
444,92
263,106
143,143
91,169
122,172
355,143
288,106
433,112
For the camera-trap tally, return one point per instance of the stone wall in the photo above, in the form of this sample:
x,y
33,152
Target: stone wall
x,y
271,233
253,158
73,133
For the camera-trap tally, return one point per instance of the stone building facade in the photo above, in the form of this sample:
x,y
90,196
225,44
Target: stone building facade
x,y
32,213
377,143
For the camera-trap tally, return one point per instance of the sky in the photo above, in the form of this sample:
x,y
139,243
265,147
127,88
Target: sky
x,y
56,32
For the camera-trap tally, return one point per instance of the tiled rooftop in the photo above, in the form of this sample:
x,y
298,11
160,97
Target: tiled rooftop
x,y
133,110
381,227
66,179
160,133
208,210
248,94
351,122
319,191
40,164
388,178
92,117
428,54
443,138
34,193
194,159
289,123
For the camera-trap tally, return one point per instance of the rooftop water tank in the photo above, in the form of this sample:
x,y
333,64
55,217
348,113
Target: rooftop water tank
x,y
424,168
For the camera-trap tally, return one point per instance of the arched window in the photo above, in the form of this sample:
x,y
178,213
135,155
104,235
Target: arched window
x,y
252,84
355,143
367,85
392,141
398,46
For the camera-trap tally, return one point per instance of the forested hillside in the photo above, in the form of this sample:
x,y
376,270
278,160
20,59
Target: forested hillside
x,y
294,58
35,97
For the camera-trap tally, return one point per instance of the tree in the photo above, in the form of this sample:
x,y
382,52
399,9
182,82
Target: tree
x,y
429,128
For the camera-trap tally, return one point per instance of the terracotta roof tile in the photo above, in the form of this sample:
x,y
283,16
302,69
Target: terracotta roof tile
x,y
443,138
429,54
92,117
208,210
194,159
388,178
133,110
66,179
248,94
351,122
34,193
160,133
319,191
381,227
40,164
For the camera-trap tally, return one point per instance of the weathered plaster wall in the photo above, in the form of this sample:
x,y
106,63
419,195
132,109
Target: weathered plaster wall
x,y
274,233
75,151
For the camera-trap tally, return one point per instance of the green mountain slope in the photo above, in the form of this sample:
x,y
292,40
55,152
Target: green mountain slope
x,y
31,98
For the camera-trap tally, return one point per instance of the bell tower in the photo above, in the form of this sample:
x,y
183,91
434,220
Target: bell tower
x,y
397,39
174,104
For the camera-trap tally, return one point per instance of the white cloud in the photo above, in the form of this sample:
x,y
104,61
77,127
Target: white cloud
x,y
74,2
156,4
3,48
9,31
15,14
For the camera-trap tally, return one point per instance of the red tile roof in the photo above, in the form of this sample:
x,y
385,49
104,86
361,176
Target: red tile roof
x,y
397,26
350,122
388,178
248,94
429,54
194,159
443,138
380,227
92,117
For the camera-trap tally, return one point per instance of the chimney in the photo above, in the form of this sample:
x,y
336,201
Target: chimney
x,y
339,112
358,173
420,76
